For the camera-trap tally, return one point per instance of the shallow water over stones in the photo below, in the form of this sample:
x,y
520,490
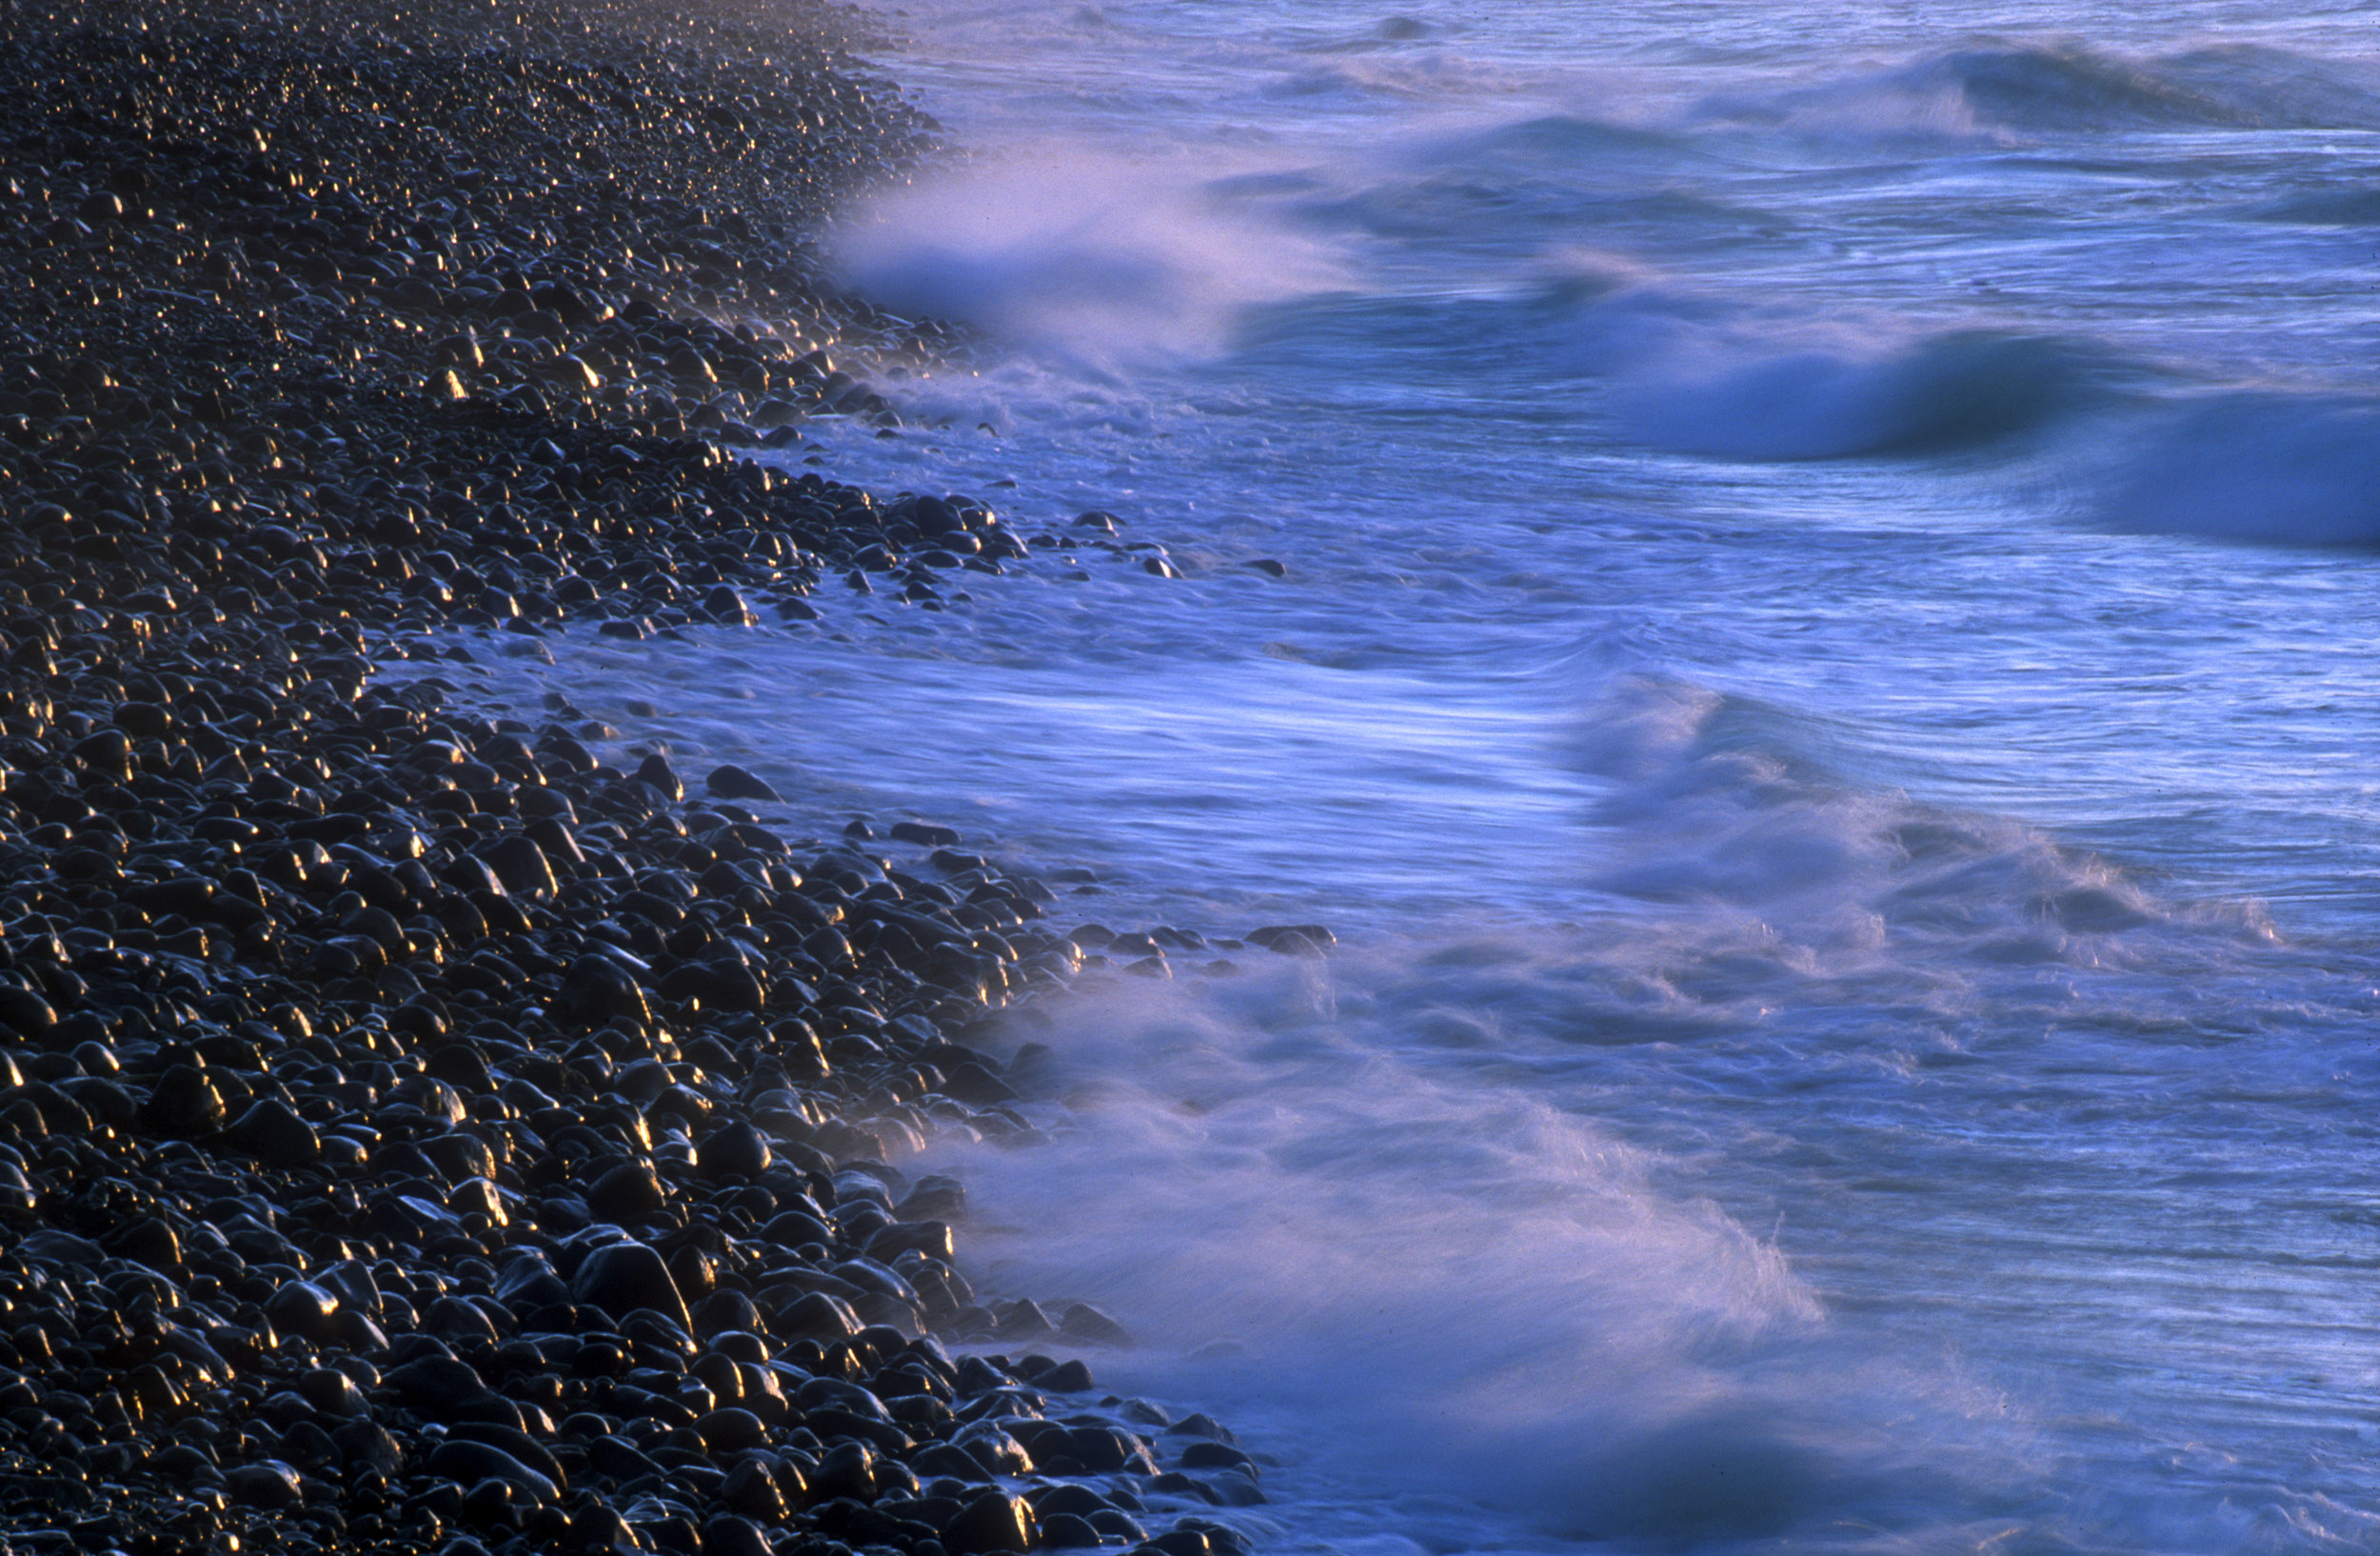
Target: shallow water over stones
x,y
417,1132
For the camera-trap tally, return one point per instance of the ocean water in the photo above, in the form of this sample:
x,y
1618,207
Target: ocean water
x,y
1822,674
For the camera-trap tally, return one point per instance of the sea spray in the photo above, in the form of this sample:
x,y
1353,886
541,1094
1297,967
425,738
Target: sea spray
x,y
1787,792
1076,253
1478,1295
1780,1150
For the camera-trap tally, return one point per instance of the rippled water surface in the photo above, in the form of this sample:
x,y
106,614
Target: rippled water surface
x,y
1822,674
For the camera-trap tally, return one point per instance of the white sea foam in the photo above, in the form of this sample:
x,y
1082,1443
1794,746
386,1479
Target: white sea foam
x,y
1810,1063
1431,1286
1719,804
1770,1203
1076,253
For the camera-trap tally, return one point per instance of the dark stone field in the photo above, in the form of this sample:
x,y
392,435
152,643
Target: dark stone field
x,y
418,1132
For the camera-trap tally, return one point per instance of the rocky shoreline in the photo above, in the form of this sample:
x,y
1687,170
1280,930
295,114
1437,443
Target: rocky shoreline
x,y
417,1132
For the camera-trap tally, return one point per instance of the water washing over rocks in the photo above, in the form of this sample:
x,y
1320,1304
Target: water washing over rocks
x,y
423,1130
1819,670
575,982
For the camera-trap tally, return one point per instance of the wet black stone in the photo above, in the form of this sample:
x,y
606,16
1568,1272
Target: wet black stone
x,y
992,1521
727,1312
187,1464
462,1322
1117,1525
997,1452
309,1447
619,1460
732,1535
1104,1450
932,1197
364,1444
752,1492
715,985
695,1273
734,1150
1200,1425
841,1394
183,1104
940,1459
147,1240
1024,1320
596,990
272,1132
1174,1483
472,874
492,1504
188,895
433,1379
107,752
332,1394
622,1277
656,773
1203,1454
520,865
642,1080
463,1067
302,1307
731,1430
1085,1322
25,1013
848,1469
1068,1497
815,1316
725,606
514,1442
730,782
626,1192
469,1462
1233,1489
270,1485
1292,939
970,1082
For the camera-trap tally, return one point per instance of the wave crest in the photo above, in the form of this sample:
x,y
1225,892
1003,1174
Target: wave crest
x,y
2005,88
1942,393
1711,806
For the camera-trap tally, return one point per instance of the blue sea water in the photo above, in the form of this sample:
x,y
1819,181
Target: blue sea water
x,y
1823,675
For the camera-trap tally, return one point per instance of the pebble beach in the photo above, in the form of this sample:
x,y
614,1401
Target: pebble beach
x,y
427,1129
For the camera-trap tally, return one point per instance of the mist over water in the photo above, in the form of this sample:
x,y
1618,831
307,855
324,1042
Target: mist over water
x,y
1082,257
1821,674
